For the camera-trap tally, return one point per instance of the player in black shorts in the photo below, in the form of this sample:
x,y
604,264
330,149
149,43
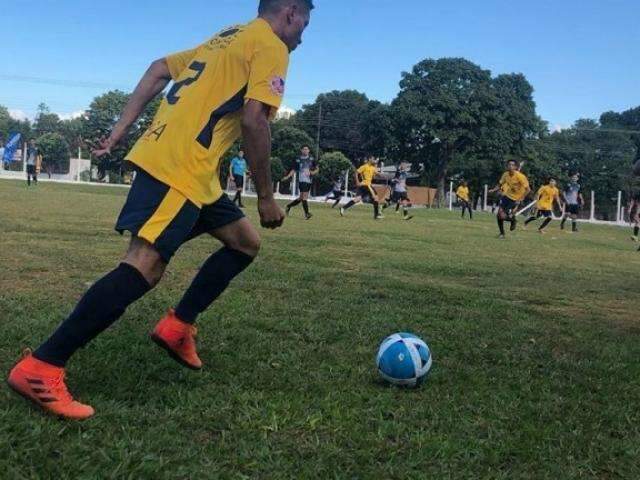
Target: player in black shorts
x,y
306,168
365,192
574,201
399,194
338,190
634,215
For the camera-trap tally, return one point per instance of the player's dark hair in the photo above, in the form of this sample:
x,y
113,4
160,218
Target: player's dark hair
x,y
514,161
274,6
305,146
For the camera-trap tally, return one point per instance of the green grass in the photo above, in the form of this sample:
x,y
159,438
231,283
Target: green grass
x,y
536,343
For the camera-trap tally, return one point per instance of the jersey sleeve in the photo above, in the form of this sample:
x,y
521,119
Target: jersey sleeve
x,y
178,62
268,71
525,182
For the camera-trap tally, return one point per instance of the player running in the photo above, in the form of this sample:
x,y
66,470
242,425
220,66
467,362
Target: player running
x,y
237,171
545,198
574,202
464,196
634,215
364,184
514,186
399,194
231,85
307,168
337,190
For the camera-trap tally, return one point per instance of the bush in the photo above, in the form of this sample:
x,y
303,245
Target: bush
x,y
332,165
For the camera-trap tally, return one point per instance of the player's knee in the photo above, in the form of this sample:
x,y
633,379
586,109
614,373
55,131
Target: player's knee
x,y
248,243
146,259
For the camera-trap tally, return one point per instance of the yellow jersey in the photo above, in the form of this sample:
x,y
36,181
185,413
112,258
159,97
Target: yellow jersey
x,y
200,117
367,174
514,185
546,195
463,193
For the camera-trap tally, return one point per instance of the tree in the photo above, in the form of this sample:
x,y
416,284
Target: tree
x,y
601,155
102,115
72,130
46,122
342,116
332,165
451,108
286,145
55,151
5,118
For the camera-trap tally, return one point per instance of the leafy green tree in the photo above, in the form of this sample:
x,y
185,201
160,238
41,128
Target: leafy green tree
x,y
277,169
55,151
450,109
332,165
343,116
72,130
46,122
5,118
102,115
286,145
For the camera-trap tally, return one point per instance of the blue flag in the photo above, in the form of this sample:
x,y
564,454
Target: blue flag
x,y
11,147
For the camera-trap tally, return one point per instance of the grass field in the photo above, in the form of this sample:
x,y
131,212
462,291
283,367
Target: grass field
x,y
536,342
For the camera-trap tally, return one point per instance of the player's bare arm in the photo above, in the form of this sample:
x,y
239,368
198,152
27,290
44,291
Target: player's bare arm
x,y
257,142
357,179
154,81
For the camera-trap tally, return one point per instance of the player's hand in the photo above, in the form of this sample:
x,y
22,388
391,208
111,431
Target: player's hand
x,y
104,147
271,215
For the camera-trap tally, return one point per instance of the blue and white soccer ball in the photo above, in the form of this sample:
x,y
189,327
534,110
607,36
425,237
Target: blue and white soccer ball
x,y
404,360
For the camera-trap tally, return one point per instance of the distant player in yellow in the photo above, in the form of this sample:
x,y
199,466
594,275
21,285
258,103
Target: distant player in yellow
x,y
229,86
514,187
364,184
465,198
547,195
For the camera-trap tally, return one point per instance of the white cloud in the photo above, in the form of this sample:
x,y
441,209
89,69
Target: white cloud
x,y
18,114
559,127
71,116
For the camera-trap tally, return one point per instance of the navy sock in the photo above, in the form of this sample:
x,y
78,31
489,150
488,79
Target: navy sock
x,y
501,225
546,222
376,209
349,205
98,309
305,207
212,279
636,231
295,203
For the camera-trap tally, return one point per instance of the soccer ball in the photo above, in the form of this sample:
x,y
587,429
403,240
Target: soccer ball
x,y
404,360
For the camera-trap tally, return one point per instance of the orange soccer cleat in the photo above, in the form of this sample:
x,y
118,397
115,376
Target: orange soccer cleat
x,y
178,339
43,384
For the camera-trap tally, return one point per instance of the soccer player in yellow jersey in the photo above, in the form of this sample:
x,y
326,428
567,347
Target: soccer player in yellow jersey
x,y
364,183
514,186
465,199
231,85
545,198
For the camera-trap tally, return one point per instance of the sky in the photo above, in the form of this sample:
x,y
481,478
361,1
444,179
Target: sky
x,y
581,56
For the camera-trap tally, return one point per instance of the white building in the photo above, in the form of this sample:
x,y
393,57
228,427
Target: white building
x,y
285,113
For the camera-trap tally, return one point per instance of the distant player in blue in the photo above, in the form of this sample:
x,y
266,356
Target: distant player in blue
x,y
306,168
237,171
